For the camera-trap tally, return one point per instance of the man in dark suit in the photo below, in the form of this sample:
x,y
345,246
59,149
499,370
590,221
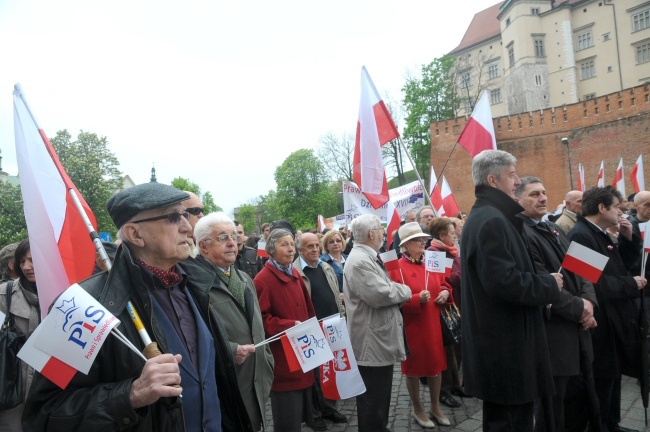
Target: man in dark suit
x,y
566,318
616,339
505,354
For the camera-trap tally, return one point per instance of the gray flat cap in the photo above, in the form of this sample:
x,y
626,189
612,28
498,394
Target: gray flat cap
x,y
124,205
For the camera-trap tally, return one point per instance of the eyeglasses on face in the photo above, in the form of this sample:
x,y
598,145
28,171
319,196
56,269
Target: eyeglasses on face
x,y
173,218
223,238
195,210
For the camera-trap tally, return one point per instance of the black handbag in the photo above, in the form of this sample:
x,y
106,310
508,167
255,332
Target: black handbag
x,y
450,322
11,377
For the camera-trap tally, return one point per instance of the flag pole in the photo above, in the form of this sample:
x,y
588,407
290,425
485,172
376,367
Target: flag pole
x,y
426,192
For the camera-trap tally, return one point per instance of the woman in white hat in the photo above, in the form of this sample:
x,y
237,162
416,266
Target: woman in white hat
x,y
422,323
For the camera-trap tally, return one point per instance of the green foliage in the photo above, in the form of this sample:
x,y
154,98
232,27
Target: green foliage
x,y
184,184
93,168
247,216
208,203
13,227
426,100
303,189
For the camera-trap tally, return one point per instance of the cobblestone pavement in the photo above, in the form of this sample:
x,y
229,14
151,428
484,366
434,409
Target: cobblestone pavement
x,y
467,418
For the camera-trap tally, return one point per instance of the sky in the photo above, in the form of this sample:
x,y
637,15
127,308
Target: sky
x,y
217,92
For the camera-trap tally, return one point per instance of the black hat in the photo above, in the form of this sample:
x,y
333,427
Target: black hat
x,y
124,205
283,223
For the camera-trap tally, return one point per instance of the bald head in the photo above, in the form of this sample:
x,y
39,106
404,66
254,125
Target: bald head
x,y
573,200
308,246
642,205
194,206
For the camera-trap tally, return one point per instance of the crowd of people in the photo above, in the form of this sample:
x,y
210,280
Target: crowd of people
x,y
542,347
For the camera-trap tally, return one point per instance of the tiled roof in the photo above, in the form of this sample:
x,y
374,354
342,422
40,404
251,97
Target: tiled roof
x,y
484,26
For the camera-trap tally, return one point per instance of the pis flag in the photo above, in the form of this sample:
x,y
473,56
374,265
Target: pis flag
x,y
72,333
340,377
308,345
437,262
584,262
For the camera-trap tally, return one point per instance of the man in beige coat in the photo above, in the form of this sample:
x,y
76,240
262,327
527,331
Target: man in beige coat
x,y
372,302
235,302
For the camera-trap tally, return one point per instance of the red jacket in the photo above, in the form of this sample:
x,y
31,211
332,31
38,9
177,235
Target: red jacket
x,y
283,301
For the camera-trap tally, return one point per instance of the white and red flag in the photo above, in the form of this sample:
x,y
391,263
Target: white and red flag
x,y
307,345
340,377
645,235
261,248
444,203
600,181
584,262
478,134
61,248
390,260
393,225
70,337
637,176
437,262
321,223
582,187
374,129
619,179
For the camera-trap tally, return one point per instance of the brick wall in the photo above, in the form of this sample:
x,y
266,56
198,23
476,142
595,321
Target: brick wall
x,y
605,128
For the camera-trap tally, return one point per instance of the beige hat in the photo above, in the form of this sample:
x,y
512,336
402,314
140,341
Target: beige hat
x,y
409,231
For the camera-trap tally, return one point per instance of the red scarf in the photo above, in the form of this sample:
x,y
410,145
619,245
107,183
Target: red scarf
x,y
453,250
168,277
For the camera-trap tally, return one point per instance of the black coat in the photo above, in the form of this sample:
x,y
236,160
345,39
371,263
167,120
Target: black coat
x,y
616,339
505,354
563,329
101,399
636,269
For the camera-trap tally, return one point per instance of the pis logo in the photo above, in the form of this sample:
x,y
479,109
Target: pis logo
x,y
78,324
308,344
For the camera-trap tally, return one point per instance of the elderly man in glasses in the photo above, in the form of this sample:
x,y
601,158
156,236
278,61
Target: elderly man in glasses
x,y
194,207
234,301
171,295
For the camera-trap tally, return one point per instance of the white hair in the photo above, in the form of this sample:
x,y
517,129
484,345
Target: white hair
x,y
205,225
490,162
362,225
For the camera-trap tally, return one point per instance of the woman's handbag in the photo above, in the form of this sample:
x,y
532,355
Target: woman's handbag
x,y
11,379
450,321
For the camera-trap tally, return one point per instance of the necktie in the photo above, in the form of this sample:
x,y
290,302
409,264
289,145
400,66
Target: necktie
x,y
235,285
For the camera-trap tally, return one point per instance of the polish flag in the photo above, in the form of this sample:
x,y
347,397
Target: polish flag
x,y
478,134
61,248
390,260
321,223
600,182
436,194
584,262
442,198
374,129
308,344
393,225
619,179
645,234
581,186
340,377
637,175
261,249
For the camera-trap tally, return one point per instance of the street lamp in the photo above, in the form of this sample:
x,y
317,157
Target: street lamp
x,y
565,141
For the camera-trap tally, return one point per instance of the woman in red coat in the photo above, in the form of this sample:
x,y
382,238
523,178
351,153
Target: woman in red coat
x,y
422,323
285,302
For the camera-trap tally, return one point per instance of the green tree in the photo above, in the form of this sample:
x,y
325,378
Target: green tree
x,y
208,203
93,168
13,227
303,188
427,99
247,217
184,184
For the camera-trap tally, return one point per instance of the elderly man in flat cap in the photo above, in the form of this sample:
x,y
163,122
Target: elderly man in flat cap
x,y
121,391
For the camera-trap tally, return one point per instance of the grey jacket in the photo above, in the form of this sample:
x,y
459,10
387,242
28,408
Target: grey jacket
x,y
245,327
372,302
566,221
331,280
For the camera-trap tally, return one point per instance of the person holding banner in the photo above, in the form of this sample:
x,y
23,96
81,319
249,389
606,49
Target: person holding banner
x,y
285,302
422,322
169,304
375,324
616,338
27,316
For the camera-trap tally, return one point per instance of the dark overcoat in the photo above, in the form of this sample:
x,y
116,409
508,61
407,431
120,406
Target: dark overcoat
x,y
563,329
505,354
616,339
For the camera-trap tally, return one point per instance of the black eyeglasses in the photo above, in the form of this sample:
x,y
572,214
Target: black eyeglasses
x,y
195,210
173,218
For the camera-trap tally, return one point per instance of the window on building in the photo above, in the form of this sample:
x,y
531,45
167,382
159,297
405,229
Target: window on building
x,y
539,47
538,80
587,69
493,70
585,40
468,105
641,20
606,37
643,53
507,22
465,78
590,96
495,96
534,11
511,54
